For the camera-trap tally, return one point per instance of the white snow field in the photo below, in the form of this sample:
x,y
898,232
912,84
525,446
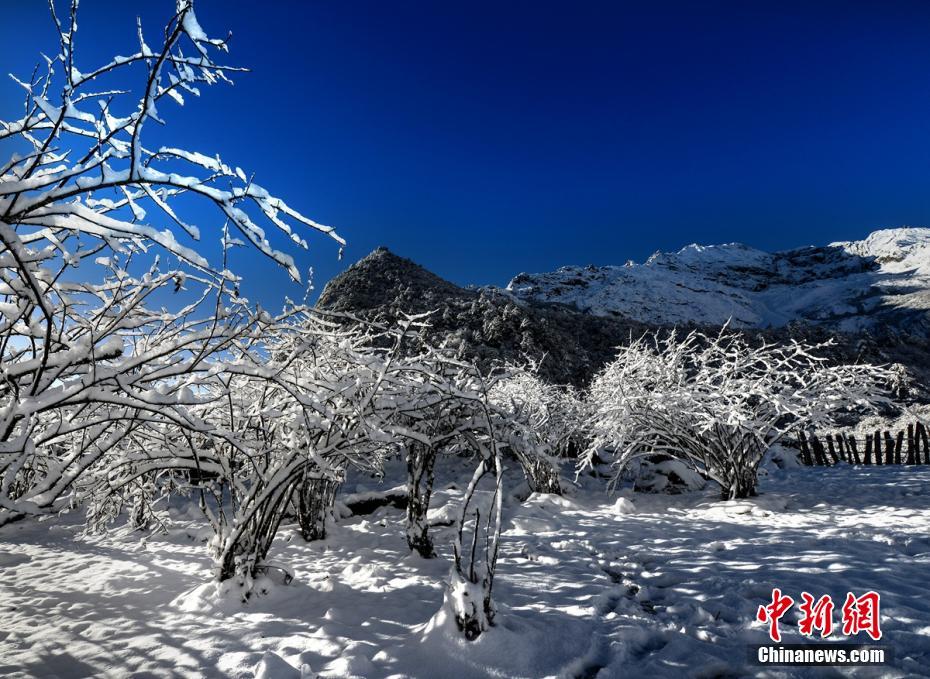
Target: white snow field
x,y
588,586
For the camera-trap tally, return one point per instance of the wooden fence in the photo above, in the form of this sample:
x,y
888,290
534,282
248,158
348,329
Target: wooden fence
x,y
910,446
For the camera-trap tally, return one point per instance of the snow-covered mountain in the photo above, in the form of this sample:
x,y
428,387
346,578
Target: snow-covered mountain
x,y
880,283
705,285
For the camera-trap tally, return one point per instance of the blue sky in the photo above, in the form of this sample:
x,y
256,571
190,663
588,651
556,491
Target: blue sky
x,y
482,139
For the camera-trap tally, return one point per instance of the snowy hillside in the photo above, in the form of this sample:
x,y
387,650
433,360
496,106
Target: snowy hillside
x,y
848,286
490,324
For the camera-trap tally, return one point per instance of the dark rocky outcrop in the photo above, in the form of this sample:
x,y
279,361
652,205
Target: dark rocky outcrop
x,y
484,324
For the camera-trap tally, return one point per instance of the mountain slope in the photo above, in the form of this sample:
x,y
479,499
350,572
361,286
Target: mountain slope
x,y
573,342
485,325
880,284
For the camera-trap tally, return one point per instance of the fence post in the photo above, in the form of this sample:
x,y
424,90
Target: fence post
x,y
840,447
851,449
819,453
887,448
922,437
805,450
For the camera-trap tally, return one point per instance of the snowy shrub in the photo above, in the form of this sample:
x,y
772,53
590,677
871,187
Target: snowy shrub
x,y
430,413
299,419
538,420
429,403
432,404
436,403
263,425
719,402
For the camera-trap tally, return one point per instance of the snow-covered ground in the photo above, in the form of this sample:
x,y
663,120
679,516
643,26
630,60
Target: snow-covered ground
x,y
588,586
846,285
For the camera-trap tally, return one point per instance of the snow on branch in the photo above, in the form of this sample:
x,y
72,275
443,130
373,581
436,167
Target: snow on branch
x,y
85,169
117,334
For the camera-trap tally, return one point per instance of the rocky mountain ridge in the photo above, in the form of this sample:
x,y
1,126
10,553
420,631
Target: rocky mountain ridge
x,y
880,284
574,335
485,324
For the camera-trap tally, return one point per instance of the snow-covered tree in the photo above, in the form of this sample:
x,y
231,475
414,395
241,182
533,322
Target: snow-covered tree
x,y
468,594
436,403
426,409
719,401
444,419
94,363
272,428
430,418
538,420
299,423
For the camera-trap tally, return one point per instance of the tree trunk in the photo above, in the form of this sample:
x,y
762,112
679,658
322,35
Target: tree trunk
x,y
315,500
740,485
420,462
140,518
469,592
244,551
541,475
805,450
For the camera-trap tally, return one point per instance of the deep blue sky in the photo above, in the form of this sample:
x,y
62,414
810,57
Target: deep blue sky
x,y
482,139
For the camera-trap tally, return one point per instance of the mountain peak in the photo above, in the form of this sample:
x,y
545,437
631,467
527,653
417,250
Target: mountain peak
x,y
383,278
883,279
486,325
899,250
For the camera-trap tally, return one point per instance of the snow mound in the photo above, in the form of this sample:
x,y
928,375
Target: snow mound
x,y
273,666
226,597
516,646
624,506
